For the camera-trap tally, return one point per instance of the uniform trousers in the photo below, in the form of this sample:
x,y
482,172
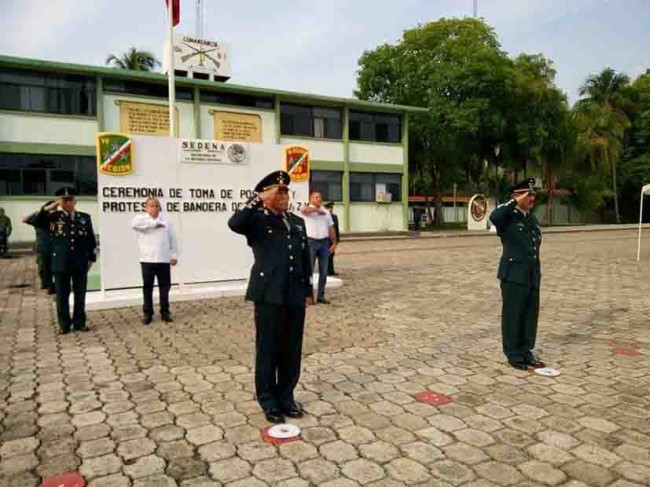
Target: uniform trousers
x,y
519,320
278,353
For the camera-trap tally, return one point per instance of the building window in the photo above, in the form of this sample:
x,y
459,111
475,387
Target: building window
x,y
318,122
329,183
47,93
375,127
124,87
363,186
236,99
42,175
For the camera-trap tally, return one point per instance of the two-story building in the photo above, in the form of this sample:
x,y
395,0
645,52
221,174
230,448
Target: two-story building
x,y
50,113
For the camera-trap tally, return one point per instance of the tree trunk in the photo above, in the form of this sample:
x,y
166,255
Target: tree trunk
x,y
618,216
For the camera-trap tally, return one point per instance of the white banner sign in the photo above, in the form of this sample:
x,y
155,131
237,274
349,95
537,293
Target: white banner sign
x,y
197,198
212,152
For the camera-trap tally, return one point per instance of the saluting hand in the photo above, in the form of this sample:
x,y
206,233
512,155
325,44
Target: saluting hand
x,y
268,196
53,206
522,197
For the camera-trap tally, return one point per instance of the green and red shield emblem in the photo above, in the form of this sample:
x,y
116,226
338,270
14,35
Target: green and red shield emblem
x,y
115,154
296,162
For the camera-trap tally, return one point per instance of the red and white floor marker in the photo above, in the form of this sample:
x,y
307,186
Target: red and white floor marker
x,y
547,371
69,479
281,433
433,398
629,352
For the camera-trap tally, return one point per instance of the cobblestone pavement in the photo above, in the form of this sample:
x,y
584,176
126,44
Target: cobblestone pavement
x,y
173,404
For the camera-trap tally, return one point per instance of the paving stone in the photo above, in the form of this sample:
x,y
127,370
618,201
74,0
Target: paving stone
x,y
155,481
447,423
499,473
168,432
132,449
362,471
95,448
87,419
634,454
338,451
185,468
200,482
229,470
145,467
379,452
473,437
318,435
116,480
356,435
590,474
549,454
21,446
317,470
407,470
543,473
128,432
94,432
256,451
274,470
218,450
204,434
634,473
18,463
594,454
298,451
100,466
464,453
558,439
172,450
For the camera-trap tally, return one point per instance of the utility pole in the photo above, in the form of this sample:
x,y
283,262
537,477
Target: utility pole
x,y
475,9
199,19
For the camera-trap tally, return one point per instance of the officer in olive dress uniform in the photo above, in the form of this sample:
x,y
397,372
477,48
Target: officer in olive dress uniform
x,y
43,251
73,254
519,272
280,285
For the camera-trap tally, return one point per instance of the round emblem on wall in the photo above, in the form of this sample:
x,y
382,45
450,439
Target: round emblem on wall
x,y
479,208
236,153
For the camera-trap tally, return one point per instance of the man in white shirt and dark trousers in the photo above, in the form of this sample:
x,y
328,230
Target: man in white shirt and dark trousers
x,y
322,238
157,241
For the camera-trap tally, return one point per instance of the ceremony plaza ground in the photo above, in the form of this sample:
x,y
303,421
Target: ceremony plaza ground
x,y
173,404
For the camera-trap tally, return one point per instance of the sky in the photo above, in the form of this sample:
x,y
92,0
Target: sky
x,y
313,46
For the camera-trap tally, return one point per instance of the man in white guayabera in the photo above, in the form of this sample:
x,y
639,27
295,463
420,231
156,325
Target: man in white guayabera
x,y
158,252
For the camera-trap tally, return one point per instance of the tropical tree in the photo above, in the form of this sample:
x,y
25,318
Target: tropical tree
x,y
134,60
456,69
602,118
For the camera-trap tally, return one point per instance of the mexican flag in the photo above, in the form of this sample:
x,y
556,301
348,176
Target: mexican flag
x,y
176,11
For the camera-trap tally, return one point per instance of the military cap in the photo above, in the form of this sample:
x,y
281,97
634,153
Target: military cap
x,y
275,179
525,185
66,192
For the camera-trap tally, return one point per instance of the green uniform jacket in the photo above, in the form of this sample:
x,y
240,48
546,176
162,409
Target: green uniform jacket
x,y
73,240
521,238
43,239
5,222
282,272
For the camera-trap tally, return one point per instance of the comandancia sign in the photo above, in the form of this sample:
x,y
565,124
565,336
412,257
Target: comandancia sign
x,y
212,152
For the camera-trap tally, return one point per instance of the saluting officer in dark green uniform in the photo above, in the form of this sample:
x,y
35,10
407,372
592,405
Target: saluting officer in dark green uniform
x,y
73,254
43,250
280,285
519,272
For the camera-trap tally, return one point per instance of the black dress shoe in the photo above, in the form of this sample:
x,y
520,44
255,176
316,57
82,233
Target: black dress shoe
x,y
81,328
323,301
534,362
294,411
64,331
518,365
146,320
51,291
274,416
167,318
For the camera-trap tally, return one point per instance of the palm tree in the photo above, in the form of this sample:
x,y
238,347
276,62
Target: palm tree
x,y
134,60
602,119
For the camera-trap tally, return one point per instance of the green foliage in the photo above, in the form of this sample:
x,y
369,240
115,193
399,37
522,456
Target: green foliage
x,y
134,60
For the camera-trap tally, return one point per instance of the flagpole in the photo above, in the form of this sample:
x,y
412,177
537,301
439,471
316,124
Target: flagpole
x,y
171,69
